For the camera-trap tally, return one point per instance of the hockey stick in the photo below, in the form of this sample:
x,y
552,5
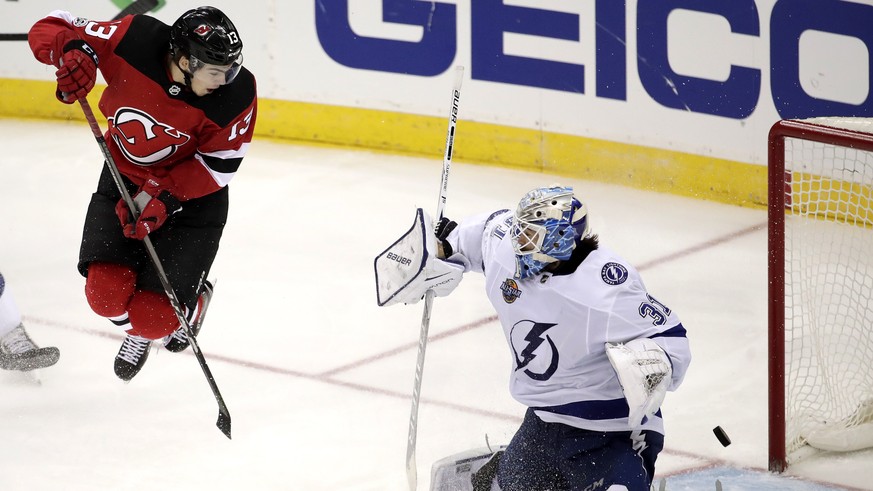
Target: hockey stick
x,y
411,466
223,422
137,7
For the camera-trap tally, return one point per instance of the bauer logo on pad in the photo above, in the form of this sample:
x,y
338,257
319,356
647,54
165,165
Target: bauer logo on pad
x,y
401,263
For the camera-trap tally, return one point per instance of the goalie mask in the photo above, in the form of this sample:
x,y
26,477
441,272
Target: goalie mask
x,y
545,228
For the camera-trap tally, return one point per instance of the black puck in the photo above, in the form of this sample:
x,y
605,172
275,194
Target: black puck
x,y
722,436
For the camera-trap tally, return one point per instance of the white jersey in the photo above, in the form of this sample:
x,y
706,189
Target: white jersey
x,y
557,326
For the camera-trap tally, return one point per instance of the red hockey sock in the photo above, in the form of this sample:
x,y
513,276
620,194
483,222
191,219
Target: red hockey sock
x,y
151,315
109,288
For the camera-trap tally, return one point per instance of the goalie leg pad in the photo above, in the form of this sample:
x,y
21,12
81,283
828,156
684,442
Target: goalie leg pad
x,y
472,470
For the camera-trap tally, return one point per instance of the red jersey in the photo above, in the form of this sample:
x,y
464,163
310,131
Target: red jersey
x,y
157,127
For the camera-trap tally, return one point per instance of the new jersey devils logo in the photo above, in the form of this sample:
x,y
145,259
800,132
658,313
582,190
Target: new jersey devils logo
x,y
142,139
203,30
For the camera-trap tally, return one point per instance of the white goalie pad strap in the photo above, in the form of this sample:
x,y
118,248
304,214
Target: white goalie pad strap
x,y
644,371
842,439
855,432
408,268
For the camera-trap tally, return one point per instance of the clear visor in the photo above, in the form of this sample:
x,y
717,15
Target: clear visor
x,y
215,75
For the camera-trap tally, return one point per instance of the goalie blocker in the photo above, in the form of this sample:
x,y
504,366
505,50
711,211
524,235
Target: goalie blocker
x,y
644,371
409,267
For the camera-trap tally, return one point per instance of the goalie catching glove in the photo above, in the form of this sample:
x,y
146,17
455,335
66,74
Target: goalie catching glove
x,y
644,372
407,269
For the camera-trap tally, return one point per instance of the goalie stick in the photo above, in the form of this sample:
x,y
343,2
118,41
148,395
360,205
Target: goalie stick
x,y
223,422
411,470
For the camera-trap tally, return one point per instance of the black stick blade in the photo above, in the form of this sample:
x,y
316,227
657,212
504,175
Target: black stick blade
x,y
223,423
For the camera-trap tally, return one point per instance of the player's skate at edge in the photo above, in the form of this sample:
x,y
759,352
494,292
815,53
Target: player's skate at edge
x,y
17,350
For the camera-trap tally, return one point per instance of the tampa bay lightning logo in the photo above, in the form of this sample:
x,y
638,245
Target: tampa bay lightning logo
x,y
613,274
539,362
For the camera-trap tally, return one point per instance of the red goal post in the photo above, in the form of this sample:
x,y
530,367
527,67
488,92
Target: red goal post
x,y
820,309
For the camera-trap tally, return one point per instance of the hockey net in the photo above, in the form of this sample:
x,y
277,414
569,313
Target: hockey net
x,y
821,287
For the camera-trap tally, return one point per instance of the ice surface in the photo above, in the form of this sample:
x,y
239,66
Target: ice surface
x,y
317,377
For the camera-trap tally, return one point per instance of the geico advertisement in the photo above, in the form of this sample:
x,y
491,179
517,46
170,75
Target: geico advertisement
x,y
702,76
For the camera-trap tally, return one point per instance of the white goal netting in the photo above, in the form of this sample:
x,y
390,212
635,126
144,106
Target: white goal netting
x,y
828,293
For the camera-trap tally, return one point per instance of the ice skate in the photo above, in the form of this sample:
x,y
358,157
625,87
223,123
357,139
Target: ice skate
x,y
131,357
178,341
19,352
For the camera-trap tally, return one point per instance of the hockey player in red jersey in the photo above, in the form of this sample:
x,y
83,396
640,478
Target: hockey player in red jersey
x,y
181,110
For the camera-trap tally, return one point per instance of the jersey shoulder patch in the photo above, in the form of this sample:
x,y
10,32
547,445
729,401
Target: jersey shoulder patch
x,y
613,273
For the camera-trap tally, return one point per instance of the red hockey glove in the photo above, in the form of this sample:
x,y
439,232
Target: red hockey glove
x,y
154,214
77,72
159,181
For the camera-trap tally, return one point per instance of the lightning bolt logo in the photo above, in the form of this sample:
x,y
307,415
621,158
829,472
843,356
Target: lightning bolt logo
x,y
534,338
639,442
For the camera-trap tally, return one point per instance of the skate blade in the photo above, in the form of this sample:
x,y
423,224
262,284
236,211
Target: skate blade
x,y
33,377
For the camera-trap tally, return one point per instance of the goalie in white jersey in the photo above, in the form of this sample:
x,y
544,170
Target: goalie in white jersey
x,y
593,352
